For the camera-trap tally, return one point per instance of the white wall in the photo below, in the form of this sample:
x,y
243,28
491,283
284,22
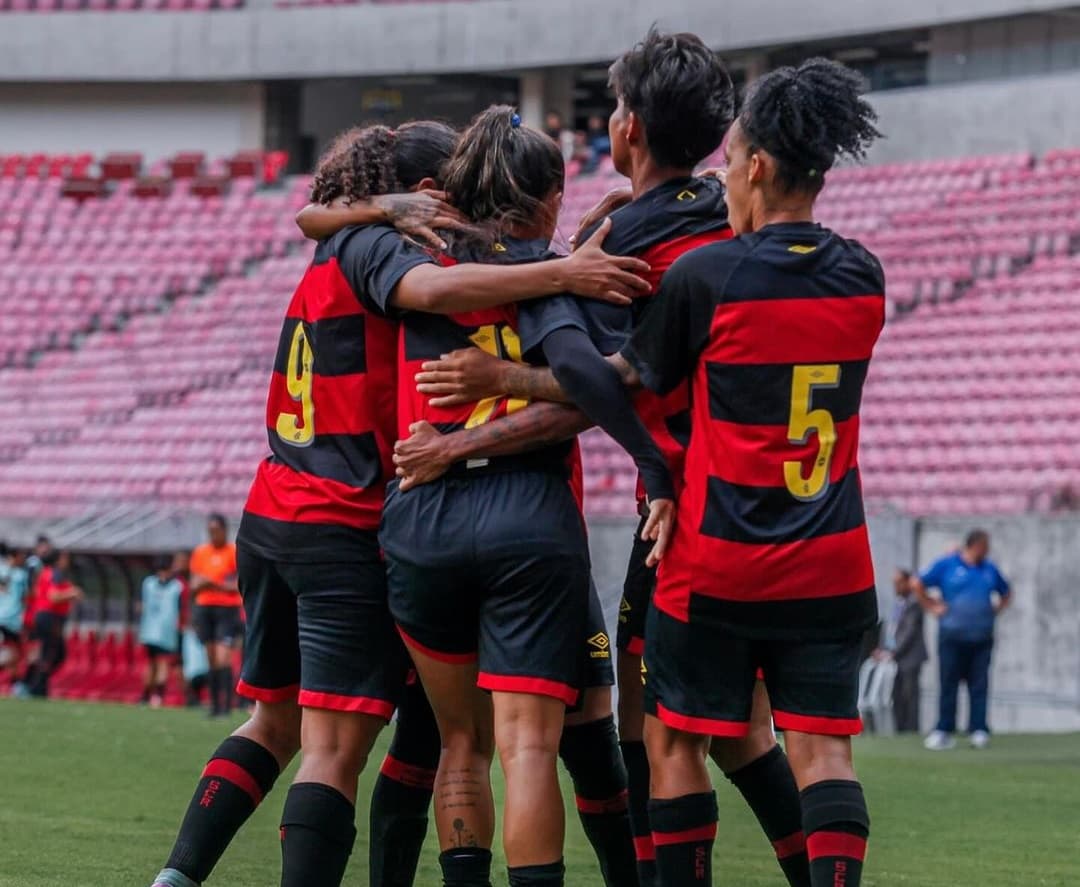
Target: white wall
x,y
156,119
1035,113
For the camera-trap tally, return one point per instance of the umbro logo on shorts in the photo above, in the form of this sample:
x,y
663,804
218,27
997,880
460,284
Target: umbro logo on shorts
x,y
601,644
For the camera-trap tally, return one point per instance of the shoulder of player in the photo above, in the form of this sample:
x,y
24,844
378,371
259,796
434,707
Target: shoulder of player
x,y
711,262
859,254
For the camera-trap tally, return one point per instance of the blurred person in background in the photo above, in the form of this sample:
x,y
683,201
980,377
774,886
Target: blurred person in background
x,y
14,586
598,138
555,128
216,614
54,596
904,643
194,667
43,547
973,593
159,620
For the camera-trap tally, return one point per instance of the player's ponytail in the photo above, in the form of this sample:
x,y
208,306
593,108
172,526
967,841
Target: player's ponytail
x,y
808,117
358,164
502,170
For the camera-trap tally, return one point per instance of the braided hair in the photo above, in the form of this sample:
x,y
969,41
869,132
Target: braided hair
x,y
806,118
364,162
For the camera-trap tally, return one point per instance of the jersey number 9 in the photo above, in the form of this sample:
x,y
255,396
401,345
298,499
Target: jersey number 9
x,y
298,431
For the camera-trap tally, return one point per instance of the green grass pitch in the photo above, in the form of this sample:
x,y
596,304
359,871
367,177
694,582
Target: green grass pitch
x,y
91,796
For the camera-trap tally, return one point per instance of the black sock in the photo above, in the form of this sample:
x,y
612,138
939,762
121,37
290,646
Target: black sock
x,y
837,825
592,757
466,867
768,786
637,772
551,875
402,795
225,688
213,678
317,836
234,781
684,830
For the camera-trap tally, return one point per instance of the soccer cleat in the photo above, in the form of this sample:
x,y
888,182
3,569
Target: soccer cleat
x,y
980,739
939,741
173,878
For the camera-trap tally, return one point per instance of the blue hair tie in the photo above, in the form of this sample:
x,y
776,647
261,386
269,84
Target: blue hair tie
x,y
515,120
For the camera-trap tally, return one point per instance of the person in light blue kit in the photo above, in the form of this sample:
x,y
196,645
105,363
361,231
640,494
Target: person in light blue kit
x,y
14,587
973,593
159,626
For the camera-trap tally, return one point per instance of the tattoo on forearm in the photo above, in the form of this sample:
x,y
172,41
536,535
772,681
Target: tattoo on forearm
x,y
534,383
537,426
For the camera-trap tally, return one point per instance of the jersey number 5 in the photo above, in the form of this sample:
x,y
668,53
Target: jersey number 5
x,y
500,341
298,431
805,421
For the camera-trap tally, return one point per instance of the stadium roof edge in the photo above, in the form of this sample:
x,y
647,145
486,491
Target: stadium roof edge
x,y
261,42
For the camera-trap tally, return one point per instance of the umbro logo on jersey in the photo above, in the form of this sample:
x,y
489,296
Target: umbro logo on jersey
x,y
601,644
685,195
801,249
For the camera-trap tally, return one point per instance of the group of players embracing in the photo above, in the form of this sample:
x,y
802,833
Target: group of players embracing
x,y
417,536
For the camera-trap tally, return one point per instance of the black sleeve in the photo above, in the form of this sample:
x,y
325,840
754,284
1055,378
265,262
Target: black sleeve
x,y
539,318
374,259
674,328
597,390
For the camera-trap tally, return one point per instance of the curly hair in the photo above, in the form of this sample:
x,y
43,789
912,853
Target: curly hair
x,y
364,162
681,91
806,118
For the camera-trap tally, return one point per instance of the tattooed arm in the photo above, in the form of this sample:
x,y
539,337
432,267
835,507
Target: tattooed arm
x,y
469,374
427,454
417,214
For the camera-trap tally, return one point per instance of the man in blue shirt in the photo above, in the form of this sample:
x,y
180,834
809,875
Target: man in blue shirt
x,y
973,592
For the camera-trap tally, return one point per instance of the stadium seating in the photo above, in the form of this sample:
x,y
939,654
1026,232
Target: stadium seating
x,y
136,332
118,5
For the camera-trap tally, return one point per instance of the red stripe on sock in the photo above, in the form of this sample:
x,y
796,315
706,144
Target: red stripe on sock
x,y
221,769
616,804
407,774
790,846
644,849
686,836
820,844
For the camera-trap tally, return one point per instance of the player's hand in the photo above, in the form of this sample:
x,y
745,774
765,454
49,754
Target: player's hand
x,y
610,202
715,172
420,213
595,274
422,457
658,528
463,376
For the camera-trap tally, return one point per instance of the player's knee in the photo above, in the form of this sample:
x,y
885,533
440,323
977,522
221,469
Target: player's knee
x,y
528,727
816,758
595,705
276,727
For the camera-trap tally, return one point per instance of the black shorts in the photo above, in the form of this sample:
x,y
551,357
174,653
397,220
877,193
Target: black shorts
x,y
154,651
217,625
700,678
320,633
597,667
492,569
7,636
638,588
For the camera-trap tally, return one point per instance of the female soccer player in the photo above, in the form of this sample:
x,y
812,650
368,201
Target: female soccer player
x,y
770,565
488,567
322,659
159,626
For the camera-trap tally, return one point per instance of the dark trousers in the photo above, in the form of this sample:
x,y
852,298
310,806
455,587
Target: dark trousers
x,y
967,661
905,700
49,631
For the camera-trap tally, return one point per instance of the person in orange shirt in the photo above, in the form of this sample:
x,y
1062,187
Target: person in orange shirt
x,y
216,614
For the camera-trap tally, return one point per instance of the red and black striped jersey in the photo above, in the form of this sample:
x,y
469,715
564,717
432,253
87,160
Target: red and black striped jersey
x,y
331,412
659,227
494,330
775,331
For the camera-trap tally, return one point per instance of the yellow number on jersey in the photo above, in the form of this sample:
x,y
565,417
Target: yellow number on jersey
x,y
294,430
805,421
497,340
